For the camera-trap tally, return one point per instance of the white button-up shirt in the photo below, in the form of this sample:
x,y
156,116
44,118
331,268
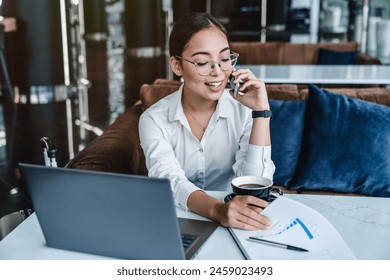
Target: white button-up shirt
x,y
173,152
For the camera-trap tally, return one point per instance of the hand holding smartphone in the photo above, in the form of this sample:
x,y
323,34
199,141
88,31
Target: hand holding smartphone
x,y
235,86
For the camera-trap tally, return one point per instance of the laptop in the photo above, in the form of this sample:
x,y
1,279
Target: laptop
x,y
114,215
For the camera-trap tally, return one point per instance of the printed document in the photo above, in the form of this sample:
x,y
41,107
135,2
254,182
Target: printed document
x,y
294,224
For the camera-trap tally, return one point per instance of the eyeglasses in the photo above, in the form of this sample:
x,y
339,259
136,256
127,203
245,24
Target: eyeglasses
x,y
205,67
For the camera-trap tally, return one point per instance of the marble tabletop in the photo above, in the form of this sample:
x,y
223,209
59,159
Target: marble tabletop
x,y
322,74
363,222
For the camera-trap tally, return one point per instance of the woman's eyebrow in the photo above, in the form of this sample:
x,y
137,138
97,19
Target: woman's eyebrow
x,y
206,53
198,53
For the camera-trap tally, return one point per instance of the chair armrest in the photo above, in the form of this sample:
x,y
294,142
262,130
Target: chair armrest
x,y
117,150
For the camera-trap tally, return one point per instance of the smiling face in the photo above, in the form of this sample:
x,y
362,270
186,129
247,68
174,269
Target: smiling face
x,y
207,44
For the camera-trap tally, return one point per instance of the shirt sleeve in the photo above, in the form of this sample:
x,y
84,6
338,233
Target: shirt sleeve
x,y
258,162
161,161
251,159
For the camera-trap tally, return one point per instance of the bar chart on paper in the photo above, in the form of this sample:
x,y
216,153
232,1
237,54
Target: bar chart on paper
x,y
295,228
294,224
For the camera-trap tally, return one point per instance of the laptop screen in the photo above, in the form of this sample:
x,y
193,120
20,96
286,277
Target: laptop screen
x,y
115,215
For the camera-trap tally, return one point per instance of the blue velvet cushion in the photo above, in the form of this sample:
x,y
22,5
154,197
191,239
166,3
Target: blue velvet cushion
x,y
331,57
286,136
346,145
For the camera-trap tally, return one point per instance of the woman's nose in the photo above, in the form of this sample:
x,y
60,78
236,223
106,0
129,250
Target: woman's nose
x,y
216,68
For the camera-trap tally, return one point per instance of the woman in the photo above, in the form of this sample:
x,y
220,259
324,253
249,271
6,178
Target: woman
x,y
200,137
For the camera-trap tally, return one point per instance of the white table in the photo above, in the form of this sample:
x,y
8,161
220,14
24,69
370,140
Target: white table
x,y
364,223
322,74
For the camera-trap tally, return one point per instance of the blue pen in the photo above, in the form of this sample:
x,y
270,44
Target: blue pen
x,y
277,244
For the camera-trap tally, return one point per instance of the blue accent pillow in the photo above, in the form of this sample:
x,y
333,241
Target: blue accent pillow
x,y
286,136
330,57
346,145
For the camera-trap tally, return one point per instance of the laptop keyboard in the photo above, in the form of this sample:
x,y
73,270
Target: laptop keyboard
x,y
187,240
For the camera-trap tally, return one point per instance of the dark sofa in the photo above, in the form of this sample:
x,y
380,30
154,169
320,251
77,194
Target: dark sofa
x,y
315,139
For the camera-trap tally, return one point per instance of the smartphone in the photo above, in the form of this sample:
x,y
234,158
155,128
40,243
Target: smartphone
x,y
235,87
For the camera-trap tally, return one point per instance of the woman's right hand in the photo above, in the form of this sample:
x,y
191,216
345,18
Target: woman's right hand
x,y
243,212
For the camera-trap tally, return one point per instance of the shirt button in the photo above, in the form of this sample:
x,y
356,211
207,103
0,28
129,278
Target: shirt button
x,y
265,160
201,173
201,150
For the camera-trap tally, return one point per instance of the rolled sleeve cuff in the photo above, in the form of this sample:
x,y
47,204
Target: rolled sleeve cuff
x,y
182,194
259,156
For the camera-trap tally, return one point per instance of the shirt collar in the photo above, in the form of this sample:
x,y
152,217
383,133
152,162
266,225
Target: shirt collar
x,y
176,108
223,109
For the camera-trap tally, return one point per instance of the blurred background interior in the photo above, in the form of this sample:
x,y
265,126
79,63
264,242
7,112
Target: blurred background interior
x,y
70,67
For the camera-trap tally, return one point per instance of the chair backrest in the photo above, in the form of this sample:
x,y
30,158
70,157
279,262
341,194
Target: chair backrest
x,y
376,95
151,93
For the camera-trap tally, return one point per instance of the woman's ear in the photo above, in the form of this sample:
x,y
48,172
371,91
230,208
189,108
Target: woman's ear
x,y
175,66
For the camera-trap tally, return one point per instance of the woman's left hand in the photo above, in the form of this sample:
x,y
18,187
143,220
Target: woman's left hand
x,y
252,92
